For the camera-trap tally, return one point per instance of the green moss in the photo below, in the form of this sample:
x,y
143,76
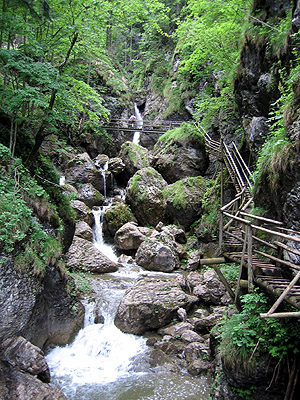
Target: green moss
x,y
182,134
118,215
180,191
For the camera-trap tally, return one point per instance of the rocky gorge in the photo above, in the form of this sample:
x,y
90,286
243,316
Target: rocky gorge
x,y
158,206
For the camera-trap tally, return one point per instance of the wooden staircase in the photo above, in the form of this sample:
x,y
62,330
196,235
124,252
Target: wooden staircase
x,y
259,245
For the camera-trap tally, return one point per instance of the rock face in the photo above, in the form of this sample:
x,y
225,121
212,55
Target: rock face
x,y
151,304
178,156
116,216
84,256
41,311
145,198
83,211
18,385
84,231
207,287
158,252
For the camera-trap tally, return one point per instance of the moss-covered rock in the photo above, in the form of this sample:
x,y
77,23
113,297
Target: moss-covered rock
x,y
184,200
180,153
134,157
145,198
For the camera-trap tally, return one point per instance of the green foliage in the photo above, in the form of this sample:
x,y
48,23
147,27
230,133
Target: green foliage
x,y
245,335
19,227
117,215
82,282
231,273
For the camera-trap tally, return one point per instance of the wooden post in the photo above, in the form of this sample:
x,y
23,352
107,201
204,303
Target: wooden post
x,y
250,264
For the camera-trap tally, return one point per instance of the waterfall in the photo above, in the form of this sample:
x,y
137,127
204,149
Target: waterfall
x,y
62,180
99,242
103,171
139,125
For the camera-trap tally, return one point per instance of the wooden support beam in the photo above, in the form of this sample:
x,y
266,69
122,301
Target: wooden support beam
x,y
211,261
295,314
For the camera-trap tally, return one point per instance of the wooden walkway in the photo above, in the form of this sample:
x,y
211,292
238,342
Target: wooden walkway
x,y
266,252
145,126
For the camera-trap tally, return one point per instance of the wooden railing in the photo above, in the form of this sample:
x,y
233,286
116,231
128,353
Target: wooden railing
x,y
261,245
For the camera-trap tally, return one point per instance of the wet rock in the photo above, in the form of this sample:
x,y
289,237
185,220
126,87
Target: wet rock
x,y
158,253
179,156
84,231
170,346
84,256
83,211
198,367
159,358
256,132
89,195
116,216
100,161
176,330
189,336
144,196
151,304
129,237
124,259
18,385
116,166
81,170
22,355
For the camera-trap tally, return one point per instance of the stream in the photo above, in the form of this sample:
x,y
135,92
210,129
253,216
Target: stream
x,y
103,363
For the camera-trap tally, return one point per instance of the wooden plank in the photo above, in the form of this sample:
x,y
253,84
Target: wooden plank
x,y
275,233
287,248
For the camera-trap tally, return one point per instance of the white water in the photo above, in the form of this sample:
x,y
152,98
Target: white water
x,y
105,248
139,125
103,171
104,363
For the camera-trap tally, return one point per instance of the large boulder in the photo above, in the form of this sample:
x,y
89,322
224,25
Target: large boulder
x,y
89,195
84,256
20,354
116,216
83,212
207,287
158,252
84,231
42,311
180,153
145,198
81,169
134,157
130,236
184,200
151,304
17,385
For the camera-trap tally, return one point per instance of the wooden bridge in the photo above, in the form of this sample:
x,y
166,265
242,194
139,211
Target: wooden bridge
x,y
144,126
266,252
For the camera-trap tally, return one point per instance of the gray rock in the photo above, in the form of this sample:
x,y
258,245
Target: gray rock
x,y
84,256
180,156
151,304
144,196
158,253
134,157
116,166
89,195
22,355
82,170
210,290
129,237
84,231
198,367
83,211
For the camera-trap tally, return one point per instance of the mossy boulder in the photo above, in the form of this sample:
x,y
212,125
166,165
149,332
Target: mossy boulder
x,y
134,157
180,153
145,198
184,200
116,216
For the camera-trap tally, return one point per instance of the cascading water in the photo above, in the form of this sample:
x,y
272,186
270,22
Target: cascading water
x,y
105,363
139,125
103,170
